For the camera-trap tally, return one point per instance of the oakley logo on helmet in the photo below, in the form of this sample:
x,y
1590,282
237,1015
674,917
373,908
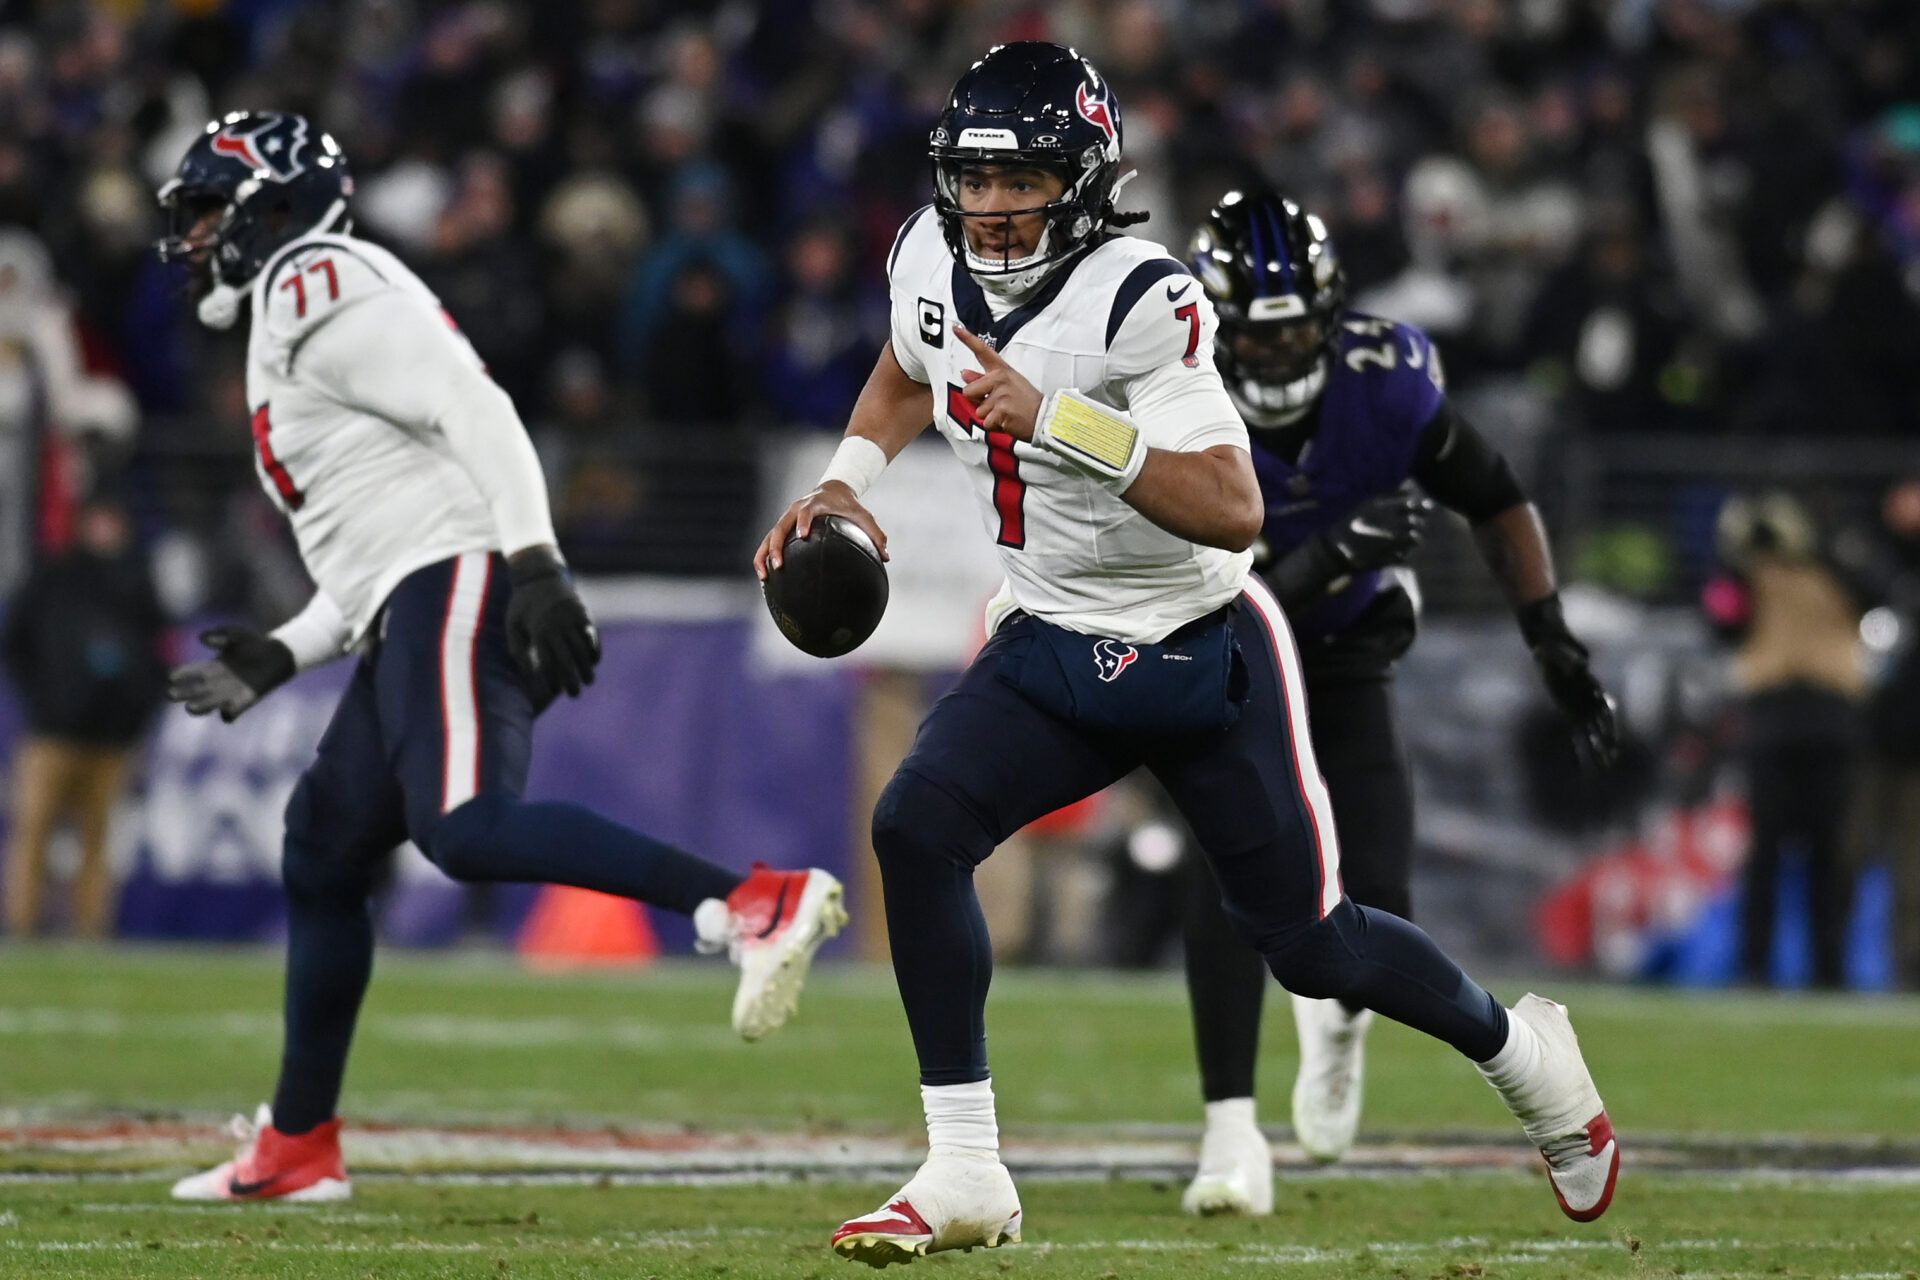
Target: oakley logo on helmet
x,y
1097,112
262,148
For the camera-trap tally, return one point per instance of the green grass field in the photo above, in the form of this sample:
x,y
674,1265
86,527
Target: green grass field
x,y
1740,1104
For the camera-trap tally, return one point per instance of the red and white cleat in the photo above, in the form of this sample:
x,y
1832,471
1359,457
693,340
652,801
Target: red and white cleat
x,y
272,1165
1562,1112
776,920
953,1202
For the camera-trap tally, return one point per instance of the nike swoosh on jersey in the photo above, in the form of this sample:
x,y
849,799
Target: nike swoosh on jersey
x,y
1173,295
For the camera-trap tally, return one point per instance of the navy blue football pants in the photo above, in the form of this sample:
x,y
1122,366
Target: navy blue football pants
x,y
431,742
987,762
1356,738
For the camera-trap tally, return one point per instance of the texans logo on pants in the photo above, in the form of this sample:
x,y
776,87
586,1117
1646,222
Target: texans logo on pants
x,y
1112,658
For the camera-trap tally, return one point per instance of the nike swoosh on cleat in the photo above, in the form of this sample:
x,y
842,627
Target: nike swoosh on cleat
x,y
779,910
1173,295
238,1188
888,1215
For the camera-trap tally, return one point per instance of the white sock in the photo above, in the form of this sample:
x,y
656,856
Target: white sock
x,y
1231,1113
1518,1060
712,926
960,1119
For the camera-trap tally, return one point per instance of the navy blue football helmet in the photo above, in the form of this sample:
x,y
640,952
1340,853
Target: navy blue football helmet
x,y
273,176
1031,103
1279,291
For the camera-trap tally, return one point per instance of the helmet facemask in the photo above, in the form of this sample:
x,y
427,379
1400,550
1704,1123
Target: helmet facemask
x,y
1067,221
1275,369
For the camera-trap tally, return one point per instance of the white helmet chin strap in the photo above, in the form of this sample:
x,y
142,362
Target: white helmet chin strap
x,y
1266,405
221,307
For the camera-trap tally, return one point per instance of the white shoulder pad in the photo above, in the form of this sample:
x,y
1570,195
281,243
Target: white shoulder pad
x,y
1159,316
315,279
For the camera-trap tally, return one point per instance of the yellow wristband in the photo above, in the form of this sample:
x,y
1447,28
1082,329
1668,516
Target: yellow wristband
x,y
1096,436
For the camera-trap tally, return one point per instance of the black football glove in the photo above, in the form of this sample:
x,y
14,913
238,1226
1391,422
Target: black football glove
x,y
548,629
1382,531
1570,682
250,665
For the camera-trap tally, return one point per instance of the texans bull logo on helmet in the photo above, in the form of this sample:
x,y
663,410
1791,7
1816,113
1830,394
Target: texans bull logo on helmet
x,y
1096,111
270,145
1112,658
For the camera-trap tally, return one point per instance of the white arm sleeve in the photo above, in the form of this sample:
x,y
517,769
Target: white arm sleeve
x,y
317,634
1161,364
392,355
1175,410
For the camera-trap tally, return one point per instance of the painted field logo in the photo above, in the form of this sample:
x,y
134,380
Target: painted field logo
x,y
1112,657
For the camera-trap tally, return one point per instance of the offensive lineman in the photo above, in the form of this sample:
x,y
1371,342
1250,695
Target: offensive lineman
x,y
1069,369
420,511
1344,410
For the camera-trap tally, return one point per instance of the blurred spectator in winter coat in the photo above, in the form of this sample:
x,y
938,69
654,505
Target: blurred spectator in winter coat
x,y
821,347
53,414
1886,811
82,645
1799,670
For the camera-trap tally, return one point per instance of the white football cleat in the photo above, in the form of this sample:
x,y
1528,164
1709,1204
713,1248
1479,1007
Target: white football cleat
x,y
1562,1113
1236,1173
1326,1092
953,1202
776,920
271,1165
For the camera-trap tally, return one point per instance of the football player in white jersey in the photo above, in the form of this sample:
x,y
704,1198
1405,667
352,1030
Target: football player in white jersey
x,y
421,513
1069,369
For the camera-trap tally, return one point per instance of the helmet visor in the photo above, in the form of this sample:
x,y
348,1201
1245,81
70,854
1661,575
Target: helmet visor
x,y
1278,351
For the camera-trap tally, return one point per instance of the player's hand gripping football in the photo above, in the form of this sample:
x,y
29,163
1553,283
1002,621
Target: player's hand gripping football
x,y
831,499
1382,531
549,630
1570,682
1006,400
247,666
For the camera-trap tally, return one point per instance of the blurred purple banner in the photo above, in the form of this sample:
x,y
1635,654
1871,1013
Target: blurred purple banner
x,y
682,735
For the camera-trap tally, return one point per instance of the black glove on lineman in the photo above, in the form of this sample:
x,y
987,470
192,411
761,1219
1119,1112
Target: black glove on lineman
x,y
1382,531
250,665
548,629
1563,666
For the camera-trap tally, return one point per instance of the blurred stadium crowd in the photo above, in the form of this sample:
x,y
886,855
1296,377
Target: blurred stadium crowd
x,y
1670,249
1671,215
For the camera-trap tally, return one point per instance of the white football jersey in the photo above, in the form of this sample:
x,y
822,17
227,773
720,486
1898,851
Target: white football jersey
x,y
375,427
1125,324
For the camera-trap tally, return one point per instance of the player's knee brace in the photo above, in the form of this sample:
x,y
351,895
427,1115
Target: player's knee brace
x,y
1321,961
917,821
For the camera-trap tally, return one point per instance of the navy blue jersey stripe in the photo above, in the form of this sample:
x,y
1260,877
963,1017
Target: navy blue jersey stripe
x,y
970,301
1135,286
893,254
